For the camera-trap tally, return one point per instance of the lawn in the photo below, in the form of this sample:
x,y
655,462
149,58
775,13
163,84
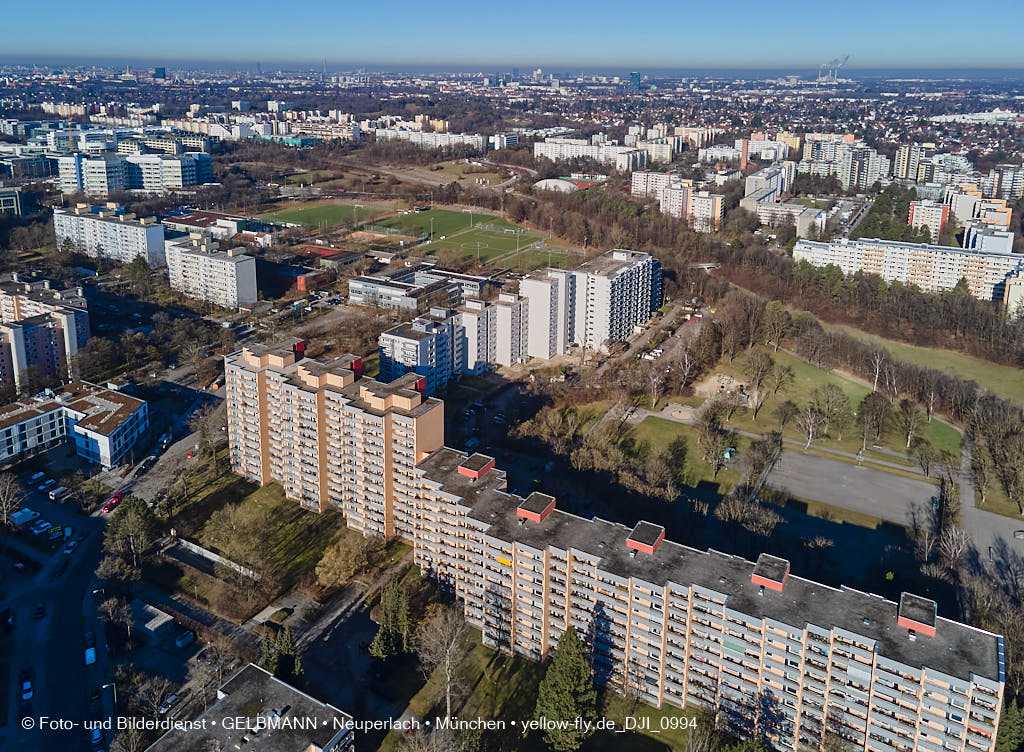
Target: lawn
x,y
297,537
486,244
807,378
445,221
531,259
318,213
1006,381
659,433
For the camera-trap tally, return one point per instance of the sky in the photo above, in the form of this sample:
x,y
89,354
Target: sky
x,y
599,35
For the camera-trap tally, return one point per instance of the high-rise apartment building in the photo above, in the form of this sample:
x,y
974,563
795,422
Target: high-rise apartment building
x,y
908,159
447,343
42,328
930,214
646,183
559,148
331,439
859,167
199,270
601,301
931,267
772,654
706,211
107,232
102,174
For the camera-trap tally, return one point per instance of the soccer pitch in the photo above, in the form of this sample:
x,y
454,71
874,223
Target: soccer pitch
x,y
487,244
320,214
418,223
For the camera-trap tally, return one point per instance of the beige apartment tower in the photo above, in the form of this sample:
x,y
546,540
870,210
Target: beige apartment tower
x,y
329,437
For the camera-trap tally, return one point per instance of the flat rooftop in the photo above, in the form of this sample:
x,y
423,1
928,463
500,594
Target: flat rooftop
x,y
607,263
956,649
255,694
102,410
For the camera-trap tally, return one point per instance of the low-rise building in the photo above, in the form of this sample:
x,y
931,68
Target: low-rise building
x,y
103,423
268,714
108,232
199,270
417,287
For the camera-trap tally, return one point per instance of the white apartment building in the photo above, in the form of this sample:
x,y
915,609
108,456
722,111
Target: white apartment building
x,y
859,166
719,153
102,174
986,238
908,159
613,294
445,344
932,268
104,424
624,158
198,270
771,151
647,183
106,232
433,140
548,292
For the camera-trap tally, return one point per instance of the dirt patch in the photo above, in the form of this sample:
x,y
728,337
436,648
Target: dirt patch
x,y
715,385
366,237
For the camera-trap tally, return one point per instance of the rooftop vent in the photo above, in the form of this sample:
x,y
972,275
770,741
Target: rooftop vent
x,y
867,621
646,537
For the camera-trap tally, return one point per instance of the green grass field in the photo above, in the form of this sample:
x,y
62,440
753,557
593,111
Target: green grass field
x,y
317,213
445,221
807,378
485,244
1006,381
531,259
659,433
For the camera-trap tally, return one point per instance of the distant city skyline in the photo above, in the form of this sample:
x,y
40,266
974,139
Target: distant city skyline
x,y
458,34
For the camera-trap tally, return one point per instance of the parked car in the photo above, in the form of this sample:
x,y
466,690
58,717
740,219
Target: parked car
x,y
185,639
167,704
48,483
37,477
90,656
90,639
70,548
96,736
111,505
26,684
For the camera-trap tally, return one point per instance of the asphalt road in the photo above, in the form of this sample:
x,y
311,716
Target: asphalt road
x,y
53,647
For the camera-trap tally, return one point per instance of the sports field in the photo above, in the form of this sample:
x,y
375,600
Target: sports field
x,y
487,243
322,213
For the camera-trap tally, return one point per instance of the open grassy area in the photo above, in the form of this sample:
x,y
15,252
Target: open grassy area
x,y
317,213
446,221
481,243
467,172
807,378
1006,381
530,259
659,433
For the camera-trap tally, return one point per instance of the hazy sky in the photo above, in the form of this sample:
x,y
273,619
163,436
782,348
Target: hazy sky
x,y
597,34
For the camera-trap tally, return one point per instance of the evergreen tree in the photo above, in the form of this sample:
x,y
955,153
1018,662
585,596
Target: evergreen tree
x,y
268,655
567,693
288,665
1010,735
394,635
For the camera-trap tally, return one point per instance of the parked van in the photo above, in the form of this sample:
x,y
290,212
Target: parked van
x,y
58,493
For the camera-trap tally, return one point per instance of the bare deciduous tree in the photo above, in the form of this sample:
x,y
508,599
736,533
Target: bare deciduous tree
x,y
442,641
810,422
11,497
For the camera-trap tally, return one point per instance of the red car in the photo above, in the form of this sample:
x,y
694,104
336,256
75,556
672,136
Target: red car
x,y
110,505
190,454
